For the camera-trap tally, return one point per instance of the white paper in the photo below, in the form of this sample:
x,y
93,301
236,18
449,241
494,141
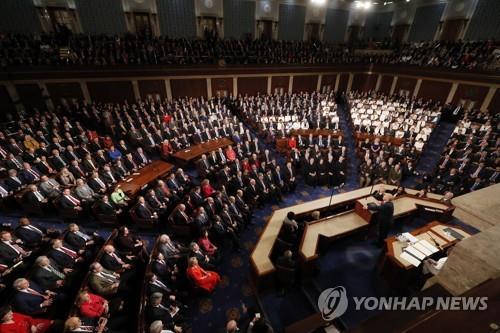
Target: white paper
x,y
412,250
410,237
429,246
422,249
410,259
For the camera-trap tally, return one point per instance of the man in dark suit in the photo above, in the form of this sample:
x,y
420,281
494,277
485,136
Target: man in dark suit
x,y
144,211
79,241
11,251
113,262
57,161
28,174
48,275
13,182
31,299
31,235
63,256
36,200
385,216
68,201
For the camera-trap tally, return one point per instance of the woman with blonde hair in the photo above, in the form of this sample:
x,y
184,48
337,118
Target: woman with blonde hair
x,y
206,280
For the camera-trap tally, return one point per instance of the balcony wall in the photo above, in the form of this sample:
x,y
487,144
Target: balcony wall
x,y
115,84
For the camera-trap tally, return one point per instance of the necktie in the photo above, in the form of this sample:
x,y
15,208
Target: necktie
x,y
118,260
16,162
3,192
60,275
82,235
39,196
34,292
475,174
35,229
69,252
494,176
73,200
34,173
16,248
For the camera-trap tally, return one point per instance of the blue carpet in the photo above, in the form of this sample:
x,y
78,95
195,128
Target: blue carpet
x,y
432,152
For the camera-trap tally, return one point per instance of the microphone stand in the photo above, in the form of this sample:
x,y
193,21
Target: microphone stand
x,y
331,197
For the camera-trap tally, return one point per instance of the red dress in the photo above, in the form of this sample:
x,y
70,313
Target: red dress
x,y
207,280
94,307
207,245
207,190
23,323
292,143
166,150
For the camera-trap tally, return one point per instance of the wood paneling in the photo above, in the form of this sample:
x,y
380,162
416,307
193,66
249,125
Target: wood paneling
x,y
189,88
343,82
435,90
494,106
252,85
111,92
364,82
67,90
279,82
305,83
405,83
386,84
471,92
31,96
152,87
222,84
6,103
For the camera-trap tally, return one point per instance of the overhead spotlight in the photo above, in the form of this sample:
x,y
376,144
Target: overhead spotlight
x,y
407,0
318,2
367,4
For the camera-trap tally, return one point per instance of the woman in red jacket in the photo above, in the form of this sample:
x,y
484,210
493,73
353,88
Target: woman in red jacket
x,y
207,245
91,305
206,188
206,280
230,153
12,322
292,143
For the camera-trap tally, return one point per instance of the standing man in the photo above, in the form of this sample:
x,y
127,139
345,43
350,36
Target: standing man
x,y
385,216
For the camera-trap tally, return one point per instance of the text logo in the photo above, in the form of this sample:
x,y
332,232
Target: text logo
x,y
332,303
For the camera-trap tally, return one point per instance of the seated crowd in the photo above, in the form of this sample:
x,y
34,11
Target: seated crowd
x,y
40,273
276,116
103,50
471,159
395,130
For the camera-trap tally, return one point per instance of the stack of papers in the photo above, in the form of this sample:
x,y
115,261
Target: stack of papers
x,y
417,252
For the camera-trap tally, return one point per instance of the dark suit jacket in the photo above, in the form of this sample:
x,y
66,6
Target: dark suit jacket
x,y
46,279
74,241
66,203
12,184
29,237
385,212
109,262
7,254
61,258
27,303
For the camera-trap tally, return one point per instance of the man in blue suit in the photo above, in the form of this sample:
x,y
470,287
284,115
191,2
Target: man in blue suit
x,y
30,299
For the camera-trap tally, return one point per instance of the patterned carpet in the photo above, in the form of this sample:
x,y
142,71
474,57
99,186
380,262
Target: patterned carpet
x,y
351,262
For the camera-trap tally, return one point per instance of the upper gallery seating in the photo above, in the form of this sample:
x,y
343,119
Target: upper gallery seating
x,y
103,50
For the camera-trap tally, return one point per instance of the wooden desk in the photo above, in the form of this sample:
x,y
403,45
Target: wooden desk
x,y
432,232
134,183
329,227
403,205
261,263
187,155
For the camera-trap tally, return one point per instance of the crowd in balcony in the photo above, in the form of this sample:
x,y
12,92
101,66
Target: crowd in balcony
x,y
106,50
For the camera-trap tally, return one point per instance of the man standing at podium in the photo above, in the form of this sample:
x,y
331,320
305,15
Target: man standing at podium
x,y
384,216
